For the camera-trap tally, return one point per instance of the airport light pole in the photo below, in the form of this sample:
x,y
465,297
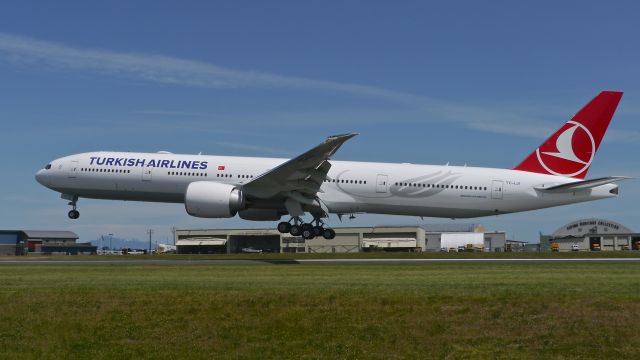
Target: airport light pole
x,y
150,232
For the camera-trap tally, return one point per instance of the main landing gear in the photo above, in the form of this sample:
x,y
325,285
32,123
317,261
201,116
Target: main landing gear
x,y
73,213
306,230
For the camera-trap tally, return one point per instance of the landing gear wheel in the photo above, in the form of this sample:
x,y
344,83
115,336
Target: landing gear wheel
x,y
328,234
284,227
74,214
307,233
318,230
295,230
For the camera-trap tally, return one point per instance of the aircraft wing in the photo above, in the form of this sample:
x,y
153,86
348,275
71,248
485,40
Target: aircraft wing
x,y
580,185
299,178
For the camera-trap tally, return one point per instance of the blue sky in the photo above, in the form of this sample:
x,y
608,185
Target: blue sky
x,y
422,82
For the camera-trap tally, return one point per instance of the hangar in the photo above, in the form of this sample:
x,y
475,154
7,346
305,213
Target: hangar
x,y
591,234
23,242
348,239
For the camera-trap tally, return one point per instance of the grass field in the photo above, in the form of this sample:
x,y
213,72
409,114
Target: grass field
x,y
354,255
452,311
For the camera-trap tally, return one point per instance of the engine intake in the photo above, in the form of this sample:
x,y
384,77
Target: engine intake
x,y
207,199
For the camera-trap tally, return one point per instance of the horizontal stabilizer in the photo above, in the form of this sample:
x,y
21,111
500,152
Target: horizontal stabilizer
x,y
579,185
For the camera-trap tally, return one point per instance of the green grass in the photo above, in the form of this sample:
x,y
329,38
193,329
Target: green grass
x,y
358,255
452,311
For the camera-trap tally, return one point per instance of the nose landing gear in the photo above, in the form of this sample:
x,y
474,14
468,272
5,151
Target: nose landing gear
x,y
306,230
73,213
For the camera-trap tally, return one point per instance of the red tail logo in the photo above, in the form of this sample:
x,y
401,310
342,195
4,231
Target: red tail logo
x,y
570,151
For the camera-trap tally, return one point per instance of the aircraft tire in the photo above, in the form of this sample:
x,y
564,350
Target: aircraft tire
x,y
328,234
307,233
295,230
284,227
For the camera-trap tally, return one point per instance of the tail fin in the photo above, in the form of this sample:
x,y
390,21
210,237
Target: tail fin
x,y
570,151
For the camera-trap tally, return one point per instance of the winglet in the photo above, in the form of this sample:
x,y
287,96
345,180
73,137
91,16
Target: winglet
x,y
336,141
570,151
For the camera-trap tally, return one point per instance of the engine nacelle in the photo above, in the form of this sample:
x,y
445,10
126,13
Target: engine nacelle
x,y
208,199
260,215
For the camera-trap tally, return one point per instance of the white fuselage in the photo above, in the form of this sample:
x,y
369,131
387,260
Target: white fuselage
x,y
352,187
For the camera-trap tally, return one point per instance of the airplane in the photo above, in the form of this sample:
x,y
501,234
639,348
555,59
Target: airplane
x,y
266,189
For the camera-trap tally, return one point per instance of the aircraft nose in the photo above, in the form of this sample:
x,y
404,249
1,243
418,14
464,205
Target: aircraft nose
x,y
41,177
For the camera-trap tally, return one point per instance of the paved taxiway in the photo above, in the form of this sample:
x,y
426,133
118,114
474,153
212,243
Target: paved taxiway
x,y
305,261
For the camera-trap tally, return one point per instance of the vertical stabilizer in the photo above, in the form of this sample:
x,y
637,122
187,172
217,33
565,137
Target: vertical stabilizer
x,y
570,151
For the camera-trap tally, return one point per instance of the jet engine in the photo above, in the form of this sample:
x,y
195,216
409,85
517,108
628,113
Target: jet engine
x,y
208,199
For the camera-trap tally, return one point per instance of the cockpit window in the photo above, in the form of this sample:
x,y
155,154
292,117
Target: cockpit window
x,y
48,166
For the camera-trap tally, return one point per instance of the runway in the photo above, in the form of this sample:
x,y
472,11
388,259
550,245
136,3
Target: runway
x,y
160,262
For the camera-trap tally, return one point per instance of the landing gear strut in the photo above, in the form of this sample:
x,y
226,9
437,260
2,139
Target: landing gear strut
x,y
306,230
74,214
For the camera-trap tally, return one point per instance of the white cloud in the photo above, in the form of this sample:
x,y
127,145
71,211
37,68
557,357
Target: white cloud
x,y
172,70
